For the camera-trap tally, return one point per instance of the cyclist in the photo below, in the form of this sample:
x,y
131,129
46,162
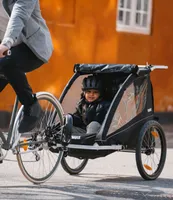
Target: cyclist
x,y
29,39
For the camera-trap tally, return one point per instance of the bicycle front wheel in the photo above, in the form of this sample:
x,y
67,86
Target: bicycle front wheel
x,y
36,159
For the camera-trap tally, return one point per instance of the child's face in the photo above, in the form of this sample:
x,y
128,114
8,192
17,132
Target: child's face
x,y
91,95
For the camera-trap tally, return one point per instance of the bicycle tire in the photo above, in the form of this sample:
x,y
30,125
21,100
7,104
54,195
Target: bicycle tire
x,y
55,158
148,140
73,170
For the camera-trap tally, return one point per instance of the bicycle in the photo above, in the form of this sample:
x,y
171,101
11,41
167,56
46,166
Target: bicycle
x,y
34,150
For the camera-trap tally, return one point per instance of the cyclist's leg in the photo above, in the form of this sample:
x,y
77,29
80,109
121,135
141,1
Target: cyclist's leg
x,y
14,67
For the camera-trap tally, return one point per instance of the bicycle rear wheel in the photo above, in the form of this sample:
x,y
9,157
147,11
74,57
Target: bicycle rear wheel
x,y
35,158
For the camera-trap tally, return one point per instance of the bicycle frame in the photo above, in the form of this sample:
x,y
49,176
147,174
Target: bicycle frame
x,y
7,141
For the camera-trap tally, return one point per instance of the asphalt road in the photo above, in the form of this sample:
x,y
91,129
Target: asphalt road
x,y
112,177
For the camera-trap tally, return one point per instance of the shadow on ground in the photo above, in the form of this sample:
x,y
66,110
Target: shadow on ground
x,y
116,187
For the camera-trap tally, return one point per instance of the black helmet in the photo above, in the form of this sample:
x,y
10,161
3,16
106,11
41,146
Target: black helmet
x,y
91,82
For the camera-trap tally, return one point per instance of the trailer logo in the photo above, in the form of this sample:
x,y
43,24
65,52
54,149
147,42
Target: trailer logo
x,y
75,137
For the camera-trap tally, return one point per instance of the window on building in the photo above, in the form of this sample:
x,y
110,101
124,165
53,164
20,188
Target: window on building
x,y
134,16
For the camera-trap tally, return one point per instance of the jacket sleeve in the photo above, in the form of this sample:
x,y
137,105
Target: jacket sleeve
x,y
21,13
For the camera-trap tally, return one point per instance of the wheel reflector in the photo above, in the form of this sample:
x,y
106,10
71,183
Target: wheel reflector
x,y
147,167
155,134
25,147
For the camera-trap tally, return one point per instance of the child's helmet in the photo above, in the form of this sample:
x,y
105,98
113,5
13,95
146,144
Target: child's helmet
x,y
92,82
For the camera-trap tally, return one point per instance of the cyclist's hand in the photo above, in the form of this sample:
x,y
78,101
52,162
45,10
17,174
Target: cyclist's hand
x,y
3,49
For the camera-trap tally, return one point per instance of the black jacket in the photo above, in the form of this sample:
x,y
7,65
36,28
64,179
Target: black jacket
x,y
87,112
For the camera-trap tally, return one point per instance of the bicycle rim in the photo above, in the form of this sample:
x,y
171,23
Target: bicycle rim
x,y
36,161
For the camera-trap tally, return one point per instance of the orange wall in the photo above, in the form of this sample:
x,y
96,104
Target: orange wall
x,y
156,48
84,31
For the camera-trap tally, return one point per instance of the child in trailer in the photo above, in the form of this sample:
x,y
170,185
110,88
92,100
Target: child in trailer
x,y
91,109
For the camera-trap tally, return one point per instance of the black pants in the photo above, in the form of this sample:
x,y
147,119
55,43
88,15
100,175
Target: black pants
x,y
14,67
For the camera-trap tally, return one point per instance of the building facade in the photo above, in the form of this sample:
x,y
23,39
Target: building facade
x,y
105,31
